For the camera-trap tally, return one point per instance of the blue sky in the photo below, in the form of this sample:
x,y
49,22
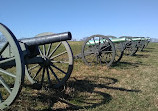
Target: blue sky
x,y
27,18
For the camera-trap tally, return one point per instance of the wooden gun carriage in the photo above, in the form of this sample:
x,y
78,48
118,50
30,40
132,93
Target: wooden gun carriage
x,y
46,60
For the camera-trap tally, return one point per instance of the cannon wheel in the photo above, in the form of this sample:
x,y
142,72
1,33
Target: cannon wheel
x,y
142,45
119,52
130,48
56,68
11,78
98,49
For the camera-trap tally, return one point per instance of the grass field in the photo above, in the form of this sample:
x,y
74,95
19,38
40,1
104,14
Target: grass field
x,y
132,85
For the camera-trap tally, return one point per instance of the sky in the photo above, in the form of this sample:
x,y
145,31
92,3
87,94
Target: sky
x,y
83,18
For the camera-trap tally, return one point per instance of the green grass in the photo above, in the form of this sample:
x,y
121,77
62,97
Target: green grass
x,y
132,85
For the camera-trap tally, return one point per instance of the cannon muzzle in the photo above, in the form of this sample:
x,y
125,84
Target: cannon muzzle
x,y
47,39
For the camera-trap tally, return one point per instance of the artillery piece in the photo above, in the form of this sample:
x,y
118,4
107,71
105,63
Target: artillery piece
x,y
46,60
133,44
100,49
141,42
129,46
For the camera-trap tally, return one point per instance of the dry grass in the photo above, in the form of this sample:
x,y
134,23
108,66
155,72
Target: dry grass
x,y
129,86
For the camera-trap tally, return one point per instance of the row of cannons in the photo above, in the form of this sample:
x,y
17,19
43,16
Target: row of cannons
x,y
100,49
47,59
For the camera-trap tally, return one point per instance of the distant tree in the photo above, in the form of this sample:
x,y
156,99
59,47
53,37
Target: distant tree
x,y
83,39
73,40
126,36
154,40
111,36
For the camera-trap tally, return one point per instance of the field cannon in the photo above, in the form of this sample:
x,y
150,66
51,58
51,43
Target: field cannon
x,y
129,46
141,42
100,49
133,44
46,60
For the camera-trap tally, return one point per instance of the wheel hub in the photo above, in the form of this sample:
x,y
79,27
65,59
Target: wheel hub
x,y
46,62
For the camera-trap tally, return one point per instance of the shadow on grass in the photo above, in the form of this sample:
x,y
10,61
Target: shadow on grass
x,y
146,51
149,48
142,55
79,93
127,65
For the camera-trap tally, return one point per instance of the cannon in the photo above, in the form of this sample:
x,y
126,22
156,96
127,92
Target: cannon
x,y
47,60
100,49
119,47
133,44
141,42
130,46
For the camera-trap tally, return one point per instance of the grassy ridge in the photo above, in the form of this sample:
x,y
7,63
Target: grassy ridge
x,y
130,85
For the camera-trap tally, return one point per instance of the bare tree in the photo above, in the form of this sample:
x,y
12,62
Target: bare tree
x,y
125,36
110,36
83,39
73,40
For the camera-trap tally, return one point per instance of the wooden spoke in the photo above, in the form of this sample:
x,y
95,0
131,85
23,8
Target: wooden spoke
x,y
65,62
87,53
94,41
57,68
58,55
54,75
105,48
48,51
48,75
37,72
44,50
7,60
7,73
5,85
55,49
40,52
42,79
99,41
4,47
104,52
31,68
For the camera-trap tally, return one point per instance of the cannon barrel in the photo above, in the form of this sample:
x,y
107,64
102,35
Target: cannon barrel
x,y
47,39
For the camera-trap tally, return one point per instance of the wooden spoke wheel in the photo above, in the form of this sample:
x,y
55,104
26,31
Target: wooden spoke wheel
x,y
56,68
130,48
141,45
98,49
11,67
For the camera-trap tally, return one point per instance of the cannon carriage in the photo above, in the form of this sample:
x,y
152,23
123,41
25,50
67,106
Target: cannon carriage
x,y
100,49
141,42
46,60
134,44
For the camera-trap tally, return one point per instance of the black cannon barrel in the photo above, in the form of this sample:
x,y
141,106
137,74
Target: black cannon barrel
x,y
47,39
